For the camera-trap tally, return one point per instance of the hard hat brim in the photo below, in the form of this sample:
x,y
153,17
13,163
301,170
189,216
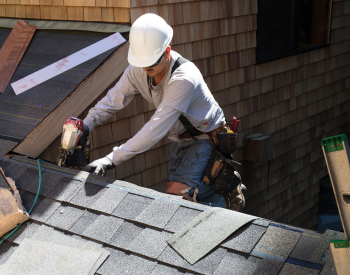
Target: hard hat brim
x,y
141,62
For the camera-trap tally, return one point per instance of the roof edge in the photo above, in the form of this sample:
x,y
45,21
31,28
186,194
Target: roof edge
x,y
68,25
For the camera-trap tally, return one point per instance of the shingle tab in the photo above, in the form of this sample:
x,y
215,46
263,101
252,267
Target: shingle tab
x,y
291,269
158,213
162,269
266,266
88,195
245,238
234,263
276,243
206,265
114,263
150,242
65,216
109,200
28,200
25,231
84,222
12,170
182,216
29,181
65,189
138,265
131,206
6,250
103,228
44,210
126,234
306,245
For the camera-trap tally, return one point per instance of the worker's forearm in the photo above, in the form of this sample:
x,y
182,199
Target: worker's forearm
x,y
154,130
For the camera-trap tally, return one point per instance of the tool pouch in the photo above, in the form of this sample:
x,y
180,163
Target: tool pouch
x,y
227,143
220,173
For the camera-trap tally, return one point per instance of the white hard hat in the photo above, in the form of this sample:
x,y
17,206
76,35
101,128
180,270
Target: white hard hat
x,y
149,37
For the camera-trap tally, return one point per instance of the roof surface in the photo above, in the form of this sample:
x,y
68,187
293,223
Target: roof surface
x,y
133,223
20,114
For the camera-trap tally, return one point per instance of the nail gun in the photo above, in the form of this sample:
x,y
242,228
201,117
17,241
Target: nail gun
x,y
73,129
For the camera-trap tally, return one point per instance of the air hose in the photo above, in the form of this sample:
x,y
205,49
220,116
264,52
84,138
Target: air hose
x,y
31,209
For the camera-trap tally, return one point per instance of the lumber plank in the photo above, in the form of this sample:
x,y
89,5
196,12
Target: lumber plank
x,y
76,103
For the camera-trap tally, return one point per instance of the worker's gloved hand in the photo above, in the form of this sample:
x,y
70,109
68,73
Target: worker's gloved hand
x,y
100,165
83,138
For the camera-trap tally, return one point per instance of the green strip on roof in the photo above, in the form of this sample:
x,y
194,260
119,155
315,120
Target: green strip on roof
x,y
68,25
340,243
334,143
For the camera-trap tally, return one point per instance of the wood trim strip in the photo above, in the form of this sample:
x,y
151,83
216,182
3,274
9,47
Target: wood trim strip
x,y
15,56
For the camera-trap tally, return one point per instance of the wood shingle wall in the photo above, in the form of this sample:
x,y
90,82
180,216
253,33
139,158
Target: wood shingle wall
x,y
297,100
72,10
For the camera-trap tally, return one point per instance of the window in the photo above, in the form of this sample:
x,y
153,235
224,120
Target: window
x,y
287,27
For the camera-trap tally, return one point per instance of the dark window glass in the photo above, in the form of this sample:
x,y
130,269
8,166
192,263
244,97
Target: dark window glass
x,y
314,27
275,29
286,27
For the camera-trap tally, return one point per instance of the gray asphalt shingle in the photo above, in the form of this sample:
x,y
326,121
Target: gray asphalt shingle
x,y
109,200
306,245
245,238
65,216
29,181
182,216
44,209
12,170
103,228
88,194
84,222
131,206
65,189
126,234
158,213
150,242
206,265
6,250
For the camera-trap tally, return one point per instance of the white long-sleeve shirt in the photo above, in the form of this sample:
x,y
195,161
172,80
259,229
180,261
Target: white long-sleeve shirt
x,y
185,92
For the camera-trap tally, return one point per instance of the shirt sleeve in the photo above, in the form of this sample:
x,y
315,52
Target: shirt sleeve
x,y
117,98
155,129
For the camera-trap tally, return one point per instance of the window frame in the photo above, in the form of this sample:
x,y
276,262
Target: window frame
x,y
295,34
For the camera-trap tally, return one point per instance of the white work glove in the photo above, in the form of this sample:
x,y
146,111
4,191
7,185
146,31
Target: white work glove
x,y
100,165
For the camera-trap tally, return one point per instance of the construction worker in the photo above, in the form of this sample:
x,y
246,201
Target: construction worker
x,y
181,92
